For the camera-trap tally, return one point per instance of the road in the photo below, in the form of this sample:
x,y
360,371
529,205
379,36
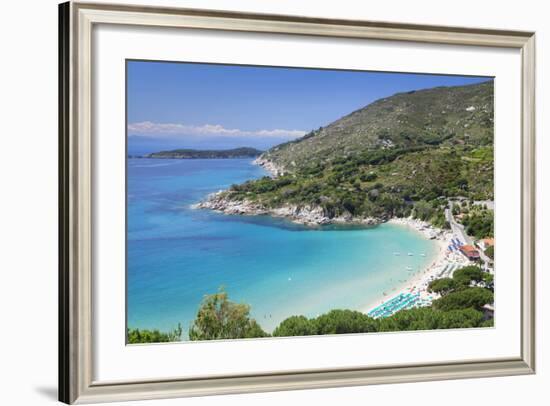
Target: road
x,y
458,231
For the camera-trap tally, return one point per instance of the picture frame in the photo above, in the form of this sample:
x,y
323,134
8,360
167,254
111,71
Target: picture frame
x,y
76,214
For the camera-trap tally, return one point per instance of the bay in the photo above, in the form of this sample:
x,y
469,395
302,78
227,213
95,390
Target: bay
x,y
178,254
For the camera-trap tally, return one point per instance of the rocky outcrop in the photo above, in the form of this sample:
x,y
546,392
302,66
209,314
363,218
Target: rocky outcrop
x,y
271,167
307,215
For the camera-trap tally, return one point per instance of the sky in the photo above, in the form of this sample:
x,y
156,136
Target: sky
x,y
205,106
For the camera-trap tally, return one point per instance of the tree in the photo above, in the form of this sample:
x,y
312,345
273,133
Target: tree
x,y
465,276
423,318
461,318
254,330
219,318
474,298
490,252
295,326
345,321
423,210
489,280
442,286
479,224
426,318
137,336
488,323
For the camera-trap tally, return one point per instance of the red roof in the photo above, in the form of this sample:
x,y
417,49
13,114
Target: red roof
x,y
469,251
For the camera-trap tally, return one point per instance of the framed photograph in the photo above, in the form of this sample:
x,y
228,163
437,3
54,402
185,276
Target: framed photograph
x,y
263,202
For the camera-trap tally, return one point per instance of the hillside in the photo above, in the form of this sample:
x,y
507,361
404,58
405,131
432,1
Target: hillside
x,y
243,152
443,116
406,153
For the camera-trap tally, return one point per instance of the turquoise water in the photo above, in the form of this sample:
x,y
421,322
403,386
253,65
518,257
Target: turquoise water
x,y
177,254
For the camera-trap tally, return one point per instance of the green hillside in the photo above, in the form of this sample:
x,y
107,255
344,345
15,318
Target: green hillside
x,y
442,116
409,151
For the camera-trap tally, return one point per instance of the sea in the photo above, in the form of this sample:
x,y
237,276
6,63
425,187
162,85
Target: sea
x,y
177,254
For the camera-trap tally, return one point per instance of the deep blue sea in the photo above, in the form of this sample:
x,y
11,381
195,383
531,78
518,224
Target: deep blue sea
x,y
177,254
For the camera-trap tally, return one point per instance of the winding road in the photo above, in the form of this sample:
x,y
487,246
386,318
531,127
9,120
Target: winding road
x,y
458,231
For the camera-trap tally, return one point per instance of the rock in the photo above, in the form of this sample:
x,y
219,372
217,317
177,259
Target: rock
x,y
307,215
269,166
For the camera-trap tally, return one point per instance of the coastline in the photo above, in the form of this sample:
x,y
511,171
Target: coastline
x,y
308,215
444,262
269,166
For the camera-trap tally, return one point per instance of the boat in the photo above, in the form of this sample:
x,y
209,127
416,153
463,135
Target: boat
x,y
410,254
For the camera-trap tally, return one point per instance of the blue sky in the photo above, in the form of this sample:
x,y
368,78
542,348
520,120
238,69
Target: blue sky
x,y
183,105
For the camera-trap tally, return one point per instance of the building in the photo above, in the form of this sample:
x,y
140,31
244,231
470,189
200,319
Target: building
x,y
470,252
486,243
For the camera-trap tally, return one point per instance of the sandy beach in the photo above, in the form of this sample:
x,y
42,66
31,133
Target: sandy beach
x,y
444,263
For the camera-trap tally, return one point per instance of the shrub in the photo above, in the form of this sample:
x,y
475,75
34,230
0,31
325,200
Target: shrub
x,y
371,176
137,336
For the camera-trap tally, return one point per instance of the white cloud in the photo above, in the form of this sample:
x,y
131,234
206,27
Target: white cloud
x,y
149,129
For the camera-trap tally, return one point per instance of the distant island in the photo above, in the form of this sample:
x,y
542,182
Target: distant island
x,y
243,152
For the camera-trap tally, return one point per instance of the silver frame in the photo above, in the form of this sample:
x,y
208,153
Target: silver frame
x,y
76,21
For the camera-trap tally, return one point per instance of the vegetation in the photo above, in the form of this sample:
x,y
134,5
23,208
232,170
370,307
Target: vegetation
x,y
295,326
442,286
243,152
408,154
460,306
345,321
402,155
474,298
437,117
426,318
137,336
490,252
479,224
219,318
488,323
468,274
418,183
